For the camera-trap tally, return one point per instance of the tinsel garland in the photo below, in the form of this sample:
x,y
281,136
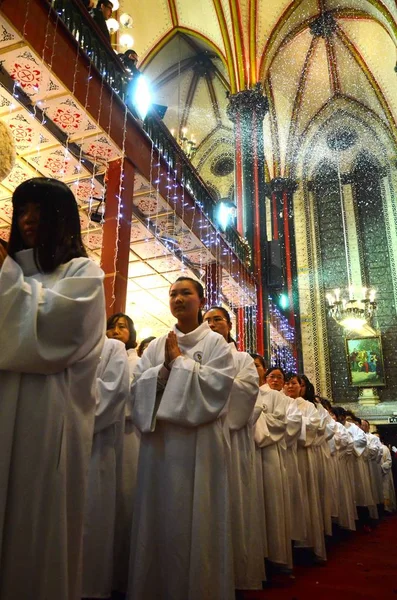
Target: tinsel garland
x,y
7,151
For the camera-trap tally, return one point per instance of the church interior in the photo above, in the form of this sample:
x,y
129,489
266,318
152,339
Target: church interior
x,y
265,166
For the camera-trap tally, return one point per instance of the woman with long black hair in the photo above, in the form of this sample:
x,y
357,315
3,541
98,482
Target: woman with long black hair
x,y
52,325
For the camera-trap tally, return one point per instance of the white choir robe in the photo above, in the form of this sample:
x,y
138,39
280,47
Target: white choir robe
x,y
374,455
346,505
52,329
297,500
125,499
362,484
389,494
181,542
308,469
249,571
269,436
325,474
104,480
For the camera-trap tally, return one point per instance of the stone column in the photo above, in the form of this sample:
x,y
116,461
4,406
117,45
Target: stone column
x,y
247,110
117,234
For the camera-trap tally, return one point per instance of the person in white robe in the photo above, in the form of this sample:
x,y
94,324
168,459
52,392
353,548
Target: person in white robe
x,y
339,447
389,493
362,483
112,388
270,432
249,569
373,455
52,330
181,541
121,327
308,469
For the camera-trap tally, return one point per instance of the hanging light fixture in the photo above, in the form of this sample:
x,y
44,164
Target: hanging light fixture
x,y
350,309
126,20
113,25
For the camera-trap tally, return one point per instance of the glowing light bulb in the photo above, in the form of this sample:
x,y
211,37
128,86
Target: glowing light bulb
x,y
126,40
112,25
126,20
116,5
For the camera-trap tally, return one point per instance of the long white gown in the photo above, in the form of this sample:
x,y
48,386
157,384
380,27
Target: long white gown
x,y
249,571
297,499
181,542
104,473
125,498
342,452
270,429
362,484
389,493
52,330
373,455
308,470
325,474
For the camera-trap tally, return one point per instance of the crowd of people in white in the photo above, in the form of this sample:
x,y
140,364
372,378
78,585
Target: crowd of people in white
x,y
176,472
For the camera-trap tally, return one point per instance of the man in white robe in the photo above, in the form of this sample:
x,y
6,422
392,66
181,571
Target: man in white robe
x,y
51,334
181,542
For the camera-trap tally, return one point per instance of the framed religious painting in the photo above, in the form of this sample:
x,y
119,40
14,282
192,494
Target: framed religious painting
x,y
365,360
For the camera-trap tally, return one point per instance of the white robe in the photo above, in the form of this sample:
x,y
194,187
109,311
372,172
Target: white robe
x,y
340,450
362,483
308,470
373,455
51,334
297,499
389,494
125,499
104,473
249,569
325,473
181,546
270,429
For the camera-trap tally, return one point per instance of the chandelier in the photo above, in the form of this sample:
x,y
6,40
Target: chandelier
x,y
351,312
189,147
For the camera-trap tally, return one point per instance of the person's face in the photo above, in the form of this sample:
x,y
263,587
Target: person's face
x,y
303,388
184,301
28,219
365,426
261,370
133,57
218,322
119,331
275,380
107,10
292,388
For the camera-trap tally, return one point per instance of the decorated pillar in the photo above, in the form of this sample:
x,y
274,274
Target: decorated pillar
x,y
247,110
117,234
286,294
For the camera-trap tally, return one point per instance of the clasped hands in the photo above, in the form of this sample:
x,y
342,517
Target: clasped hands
x,y
172,350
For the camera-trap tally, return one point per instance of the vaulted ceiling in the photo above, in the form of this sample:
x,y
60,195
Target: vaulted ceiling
x,y
309,55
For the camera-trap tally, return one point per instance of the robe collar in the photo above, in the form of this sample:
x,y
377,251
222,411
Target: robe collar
x,y
189,340
25,259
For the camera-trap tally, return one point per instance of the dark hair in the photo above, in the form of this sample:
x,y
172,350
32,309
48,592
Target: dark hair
x,y
227,317
111,322
105,3
58,234
339,412
309,393
199,290
325,403
350,413
271,369
290,375
4,243
143,344
260,358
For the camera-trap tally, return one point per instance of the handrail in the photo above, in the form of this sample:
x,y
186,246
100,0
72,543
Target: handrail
x,y
92,41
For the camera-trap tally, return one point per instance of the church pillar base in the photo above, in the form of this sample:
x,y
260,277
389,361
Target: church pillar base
x,y
368,397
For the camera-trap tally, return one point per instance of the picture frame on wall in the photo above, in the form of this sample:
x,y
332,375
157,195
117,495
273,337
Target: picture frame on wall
x,y
365,359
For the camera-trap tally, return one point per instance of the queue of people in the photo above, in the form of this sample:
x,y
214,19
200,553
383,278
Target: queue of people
x,y
178,469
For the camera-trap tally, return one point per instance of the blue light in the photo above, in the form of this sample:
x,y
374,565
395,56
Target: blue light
x,y
139,95
283,301
225,215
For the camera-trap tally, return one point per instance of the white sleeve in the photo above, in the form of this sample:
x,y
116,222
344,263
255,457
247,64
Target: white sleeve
x,y
243,395
311,420
111,385
360,441
294,425
194,394
46,330
387,462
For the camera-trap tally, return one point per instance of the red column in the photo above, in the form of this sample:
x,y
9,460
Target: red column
x,y
117,234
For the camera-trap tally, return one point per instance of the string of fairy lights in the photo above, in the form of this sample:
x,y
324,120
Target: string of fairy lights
x,y
228,284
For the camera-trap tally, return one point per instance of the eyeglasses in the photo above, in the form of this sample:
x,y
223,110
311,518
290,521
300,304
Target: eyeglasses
x,y
275,377
214,319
